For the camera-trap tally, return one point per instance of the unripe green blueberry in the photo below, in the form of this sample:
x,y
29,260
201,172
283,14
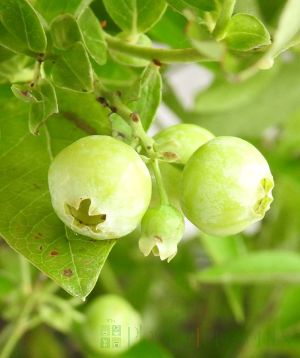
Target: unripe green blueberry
x,y
138,40
180,141
99,187
226,186
112,325
162,228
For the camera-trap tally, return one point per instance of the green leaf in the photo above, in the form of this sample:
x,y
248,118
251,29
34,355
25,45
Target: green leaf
x,y
83,110
65,31
16,69
50,9
261,267
24,93
28,223
135,16
287,28
252,117
6,285
203,5
223,95
5,54
270,10
93,36
150,88
203,41
146,349
12,43
73,70
114,75
21,21
42,109
222,250
168,30
246,32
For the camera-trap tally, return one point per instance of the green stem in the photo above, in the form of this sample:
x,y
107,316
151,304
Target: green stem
x,y
26,275
134,121
223,20
156,54
20,326
129,116
159,181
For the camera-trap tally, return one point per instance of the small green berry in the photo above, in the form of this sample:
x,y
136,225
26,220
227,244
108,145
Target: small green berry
x,y
162,229
99,187
226,186
177,143
112,325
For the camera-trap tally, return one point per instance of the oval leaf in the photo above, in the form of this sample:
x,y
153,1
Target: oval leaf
x,y
27,222
135,16
246,32
93,36
21,21
49,9
46,106
65,31
202,5
261,267
24,93
288,27
73,70
149,98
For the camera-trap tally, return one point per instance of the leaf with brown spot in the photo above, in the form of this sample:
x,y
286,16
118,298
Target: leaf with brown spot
x,y
27,218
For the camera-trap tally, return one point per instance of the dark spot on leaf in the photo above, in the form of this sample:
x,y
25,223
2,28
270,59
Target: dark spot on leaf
x,y
41,248
36,186
170,155
25,93
79,122
103,23
119,93
54,253
114,109
68,272
38,236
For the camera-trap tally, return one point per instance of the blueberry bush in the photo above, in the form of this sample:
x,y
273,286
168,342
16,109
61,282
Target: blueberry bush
x,y
122,235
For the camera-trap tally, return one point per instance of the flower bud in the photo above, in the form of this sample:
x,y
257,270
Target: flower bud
x,y
162,229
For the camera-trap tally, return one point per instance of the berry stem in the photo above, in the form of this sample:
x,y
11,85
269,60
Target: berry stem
x,y
156,54
113,100
159,181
